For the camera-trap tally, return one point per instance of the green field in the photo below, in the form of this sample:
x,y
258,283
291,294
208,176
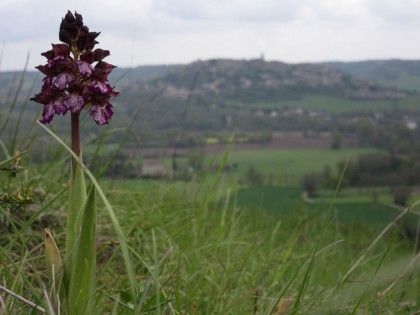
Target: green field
x,y
404,81
293,162
339,105
284,167
287,201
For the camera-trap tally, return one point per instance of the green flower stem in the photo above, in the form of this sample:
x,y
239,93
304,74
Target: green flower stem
x,y
75,138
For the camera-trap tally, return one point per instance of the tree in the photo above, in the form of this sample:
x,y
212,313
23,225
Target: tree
x,y
311,183
365,131
122,166
401,195
335,140
329,181
195,159
252,177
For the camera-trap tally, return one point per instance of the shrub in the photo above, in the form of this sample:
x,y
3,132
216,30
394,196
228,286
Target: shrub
x,y
401,195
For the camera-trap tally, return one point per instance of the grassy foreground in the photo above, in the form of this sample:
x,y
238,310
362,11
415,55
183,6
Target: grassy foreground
x,y
196,256
192,255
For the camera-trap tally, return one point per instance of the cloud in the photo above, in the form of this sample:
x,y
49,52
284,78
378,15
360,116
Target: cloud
x,y
26,19
167,31
234,10
342,12
398,13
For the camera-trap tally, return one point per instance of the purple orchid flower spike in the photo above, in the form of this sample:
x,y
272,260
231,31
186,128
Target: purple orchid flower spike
x,y
76,78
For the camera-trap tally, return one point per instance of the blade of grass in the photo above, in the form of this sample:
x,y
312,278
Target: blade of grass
x,y
18,122
19,235
400,276
394,237
22,299
43,209
286,287
14,102
10,158
28,131
9,265
371,246
152,277
48,301
308,272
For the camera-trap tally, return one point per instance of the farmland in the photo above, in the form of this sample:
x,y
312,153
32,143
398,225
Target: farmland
x,y
291,162
359,209
337,105
281,191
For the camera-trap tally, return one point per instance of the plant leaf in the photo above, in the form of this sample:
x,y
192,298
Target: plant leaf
x,y
77,198
54,264
81,292
52,255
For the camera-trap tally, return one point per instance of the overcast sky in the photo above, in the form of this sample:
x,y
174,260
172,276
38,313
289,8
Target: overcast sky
x,y
141,32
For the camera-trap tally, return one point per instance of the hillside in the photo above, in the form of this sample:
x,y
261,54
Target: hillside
x,y
224,95
9,80
257,80
250,81
402,74
141,73
251,95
